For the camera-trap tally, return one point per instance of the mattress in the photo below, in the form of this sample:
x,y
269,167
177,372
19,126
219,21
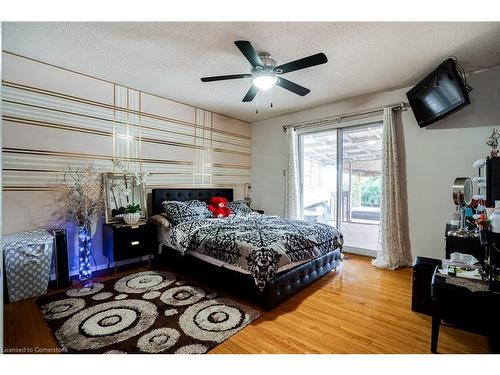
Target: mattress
x,y
260,245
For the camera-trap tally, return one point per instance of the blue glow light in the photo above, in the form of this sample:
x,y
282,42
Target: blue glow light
x,y
85,248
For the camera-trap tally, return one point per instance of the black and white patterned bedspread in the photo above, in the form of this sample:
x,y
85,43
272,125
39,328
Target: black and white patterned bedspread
x,y
260,244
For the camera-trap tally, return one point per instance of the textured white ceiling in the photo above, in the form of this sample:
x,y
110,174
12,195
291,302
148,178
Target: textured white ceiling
x,y
169,58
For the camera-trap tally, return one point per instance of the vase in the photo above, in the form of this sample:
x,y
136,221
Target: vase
x,y
85,251
132,218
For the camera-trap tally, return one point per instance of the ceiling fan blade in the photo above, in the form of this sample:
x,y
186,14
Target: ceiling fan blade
x,y
250,94
246,49
293,87
222,78
306,62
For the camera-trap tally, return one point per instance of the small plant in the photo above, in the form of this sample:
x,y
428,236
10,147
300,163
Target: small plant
x,y
133,208
130,209
133,214
118,211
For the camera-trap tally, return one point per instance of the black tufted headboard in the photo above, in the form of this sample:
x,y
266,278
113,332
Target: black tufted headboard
x,y
185,194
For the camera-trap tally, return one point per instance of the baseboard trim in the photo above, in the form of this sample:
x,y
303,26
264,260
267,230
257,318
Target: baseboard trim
x,y
359,251
100,267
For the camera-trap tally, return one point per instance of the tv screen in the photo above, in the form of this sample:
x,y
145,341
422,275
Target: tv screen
x,y
438,95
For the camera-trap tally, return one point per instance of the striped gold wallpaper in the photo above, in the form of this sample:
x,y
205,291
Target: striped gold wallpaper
x,y
180,144
54,118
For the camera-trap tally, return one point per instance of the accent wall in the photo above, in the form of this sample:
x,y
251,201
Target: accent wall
x,y
54,118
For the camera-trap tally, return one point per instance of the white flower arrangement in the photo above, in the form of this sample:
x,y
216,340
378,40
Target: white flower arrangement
x,y
141,177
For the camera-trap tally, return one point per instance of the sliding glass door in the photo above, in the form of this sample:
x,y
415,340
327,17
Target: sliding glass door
x,y
319,176
341,174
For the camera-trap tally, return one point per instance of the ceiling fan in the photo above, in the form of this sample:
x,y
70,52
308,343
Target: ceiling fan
x,y
266,73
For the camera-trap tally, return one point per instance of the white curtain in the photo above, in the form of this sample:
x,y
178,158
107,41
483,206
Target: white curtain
x,y
291,175
391,251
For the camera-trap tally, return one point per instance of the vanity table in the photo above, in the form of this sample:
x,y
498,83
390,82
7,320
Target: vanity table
x,y
469,304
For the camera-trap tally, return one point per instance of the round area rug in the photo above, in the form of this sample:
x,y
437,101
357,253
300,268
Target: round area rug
x,y
145,312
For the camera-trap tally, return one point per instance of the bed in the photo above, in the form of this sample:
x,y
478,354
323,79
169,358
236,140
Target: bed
x,y
262,258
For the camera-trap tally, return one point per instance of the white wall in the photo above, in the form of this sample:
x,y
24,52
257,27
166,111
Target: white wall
x,y
432,156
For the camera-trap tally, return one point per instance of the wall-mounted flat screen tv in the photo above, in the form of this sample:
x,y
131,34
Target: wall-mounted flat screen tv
x,y
438,95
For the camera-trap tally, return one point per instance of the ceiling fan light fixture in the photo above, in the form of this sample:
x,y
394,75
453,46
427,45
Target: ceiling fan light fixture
x,y
265,71
264,81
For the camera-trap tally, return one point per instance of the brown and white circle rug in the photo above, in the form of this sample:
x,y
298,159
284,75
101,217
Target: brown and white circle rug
x,y
146,312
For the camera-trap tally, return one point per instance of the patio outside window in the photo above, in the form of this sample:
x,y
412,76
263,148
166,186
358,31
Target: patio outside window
x,y
343,189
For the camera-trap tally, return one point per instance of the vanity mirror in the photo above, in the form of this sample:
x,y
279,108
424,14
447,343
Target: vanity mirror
x,y
462,192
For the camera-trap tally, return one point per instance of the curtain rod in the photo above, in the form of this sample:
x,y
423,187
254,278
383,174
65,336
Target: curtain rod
x,y
402,106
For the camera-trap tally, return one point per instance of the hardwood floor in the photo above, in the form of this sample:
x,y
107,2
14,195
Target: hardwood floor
x,y
357,309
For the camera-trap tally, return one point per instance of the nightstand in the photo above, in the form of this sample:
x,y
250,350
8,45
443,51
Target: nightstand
x,y
123,241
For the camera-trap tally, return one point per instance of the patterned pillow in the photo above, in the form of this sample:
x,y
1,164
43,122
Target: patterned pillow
x,y
161,220
239,208
200,208
179,212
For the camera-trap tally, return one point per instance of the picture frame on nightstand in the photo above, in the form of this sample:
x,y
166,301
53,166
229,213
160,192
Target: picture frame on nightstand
x,y
120,191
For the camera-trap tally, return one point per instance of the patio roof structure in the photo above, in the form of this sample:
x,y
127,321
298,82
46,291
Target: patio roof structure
x,y
361,149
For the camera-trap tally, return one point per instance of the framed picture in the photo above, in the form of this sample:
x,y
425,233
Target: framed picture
x,y
121,191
